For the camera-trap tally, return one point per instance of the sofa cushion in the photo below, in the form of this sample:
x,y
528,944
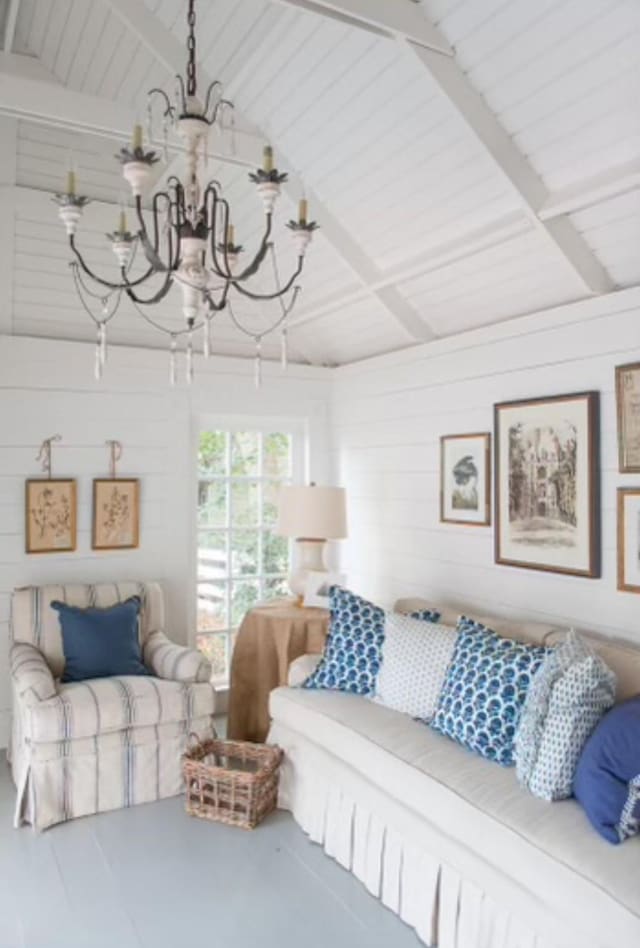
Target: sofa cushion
x,y
102,705
99,643
485,689
571,691
415,658
607,781
352,651
549,849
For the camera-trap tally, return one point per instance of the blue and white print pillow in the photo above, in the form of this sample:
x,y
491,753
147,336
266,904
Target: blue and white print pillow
x,y
427,615
352,651
569,695
485,689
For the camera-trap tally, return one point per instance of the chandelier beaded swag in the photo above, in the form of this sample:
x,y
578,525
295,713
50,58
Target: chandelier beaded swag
x,y
190,240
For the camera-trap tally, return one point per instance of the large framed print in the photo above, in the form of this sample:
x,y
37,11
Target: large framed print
x,y
629,539
547,484
628,406
116,514
465,479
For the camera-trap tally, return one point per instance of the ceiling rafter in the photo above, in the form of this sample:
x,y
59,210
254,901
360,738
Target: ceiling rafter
x,y
434,55
10,26
170,53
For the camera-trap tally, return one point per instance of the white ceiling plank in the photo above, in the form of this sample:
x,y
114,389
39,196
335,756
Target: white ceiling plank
x,y
10,25
400,19
594,190
170,52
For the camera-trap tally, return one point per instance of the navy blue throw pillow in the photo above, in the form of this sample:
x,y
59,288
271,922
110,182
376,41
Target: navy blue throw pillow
x,y
607,778
100,643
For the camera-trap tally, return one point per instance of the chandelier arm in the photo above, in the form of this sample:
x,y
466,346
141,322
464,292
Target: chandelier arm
x,y
212,192
220,104
214,85
220,305
258,260
80,287
89,272
169,110
160,295
279,292
161,328
182,91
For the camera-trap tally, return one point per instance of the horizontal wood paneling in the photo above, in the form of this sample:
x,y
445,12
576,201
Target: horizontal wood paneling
x,y
388,416
46,388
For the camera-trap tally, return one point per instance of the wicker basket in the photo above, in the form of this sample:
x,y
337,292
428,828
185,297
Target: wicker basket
x,y
232,782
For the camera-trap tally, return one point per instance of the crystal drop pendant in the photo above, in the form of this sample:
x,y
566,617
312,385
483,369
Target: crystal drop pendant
x,y
284,350
206,337
189,359
257,366
172,362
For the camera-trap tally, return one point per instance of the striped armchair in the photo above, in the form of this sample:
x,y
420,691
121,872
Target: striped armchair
x,y
85,747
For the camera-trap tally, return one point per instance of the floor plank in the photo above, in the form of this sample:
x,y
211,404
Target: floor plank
x,y
151,877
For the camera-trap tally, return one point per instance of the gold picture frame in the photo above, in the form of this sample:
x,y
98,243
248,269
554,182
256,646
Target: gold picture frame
x,y
628,519
50,515
628,415
465,479
116,513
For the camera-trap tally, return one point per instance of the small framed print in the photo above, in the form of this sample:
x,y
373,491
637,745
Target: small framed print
x,y
628,409
317,587
547,485
50,515
629,539
465,479
116,514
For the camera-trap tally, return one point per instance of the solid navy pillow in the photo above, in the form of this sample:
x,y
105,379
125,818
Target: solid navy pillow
x,y
100,643
607,779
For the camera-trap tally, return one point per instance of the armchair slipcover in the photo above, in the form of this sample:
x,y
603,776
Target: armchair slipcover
x,y
89,746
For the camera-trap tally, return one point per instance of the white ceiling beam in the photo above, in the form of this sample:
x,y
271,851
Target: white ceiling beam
x,y
170,52
594,190
8,142
10,25
565,241
399,19
45,101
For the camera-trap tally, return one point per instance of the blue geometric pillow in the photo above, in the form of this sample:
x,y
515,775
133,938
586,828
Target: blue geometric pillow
x,y
352,651
485,689
607,779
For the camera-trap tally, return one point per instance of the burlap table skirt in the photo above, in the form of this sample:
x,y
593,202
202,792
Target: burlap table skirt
x,y
271,637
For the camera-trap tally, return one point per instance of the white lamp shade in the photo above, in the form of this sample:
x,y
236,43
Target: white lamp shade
x,y
312,513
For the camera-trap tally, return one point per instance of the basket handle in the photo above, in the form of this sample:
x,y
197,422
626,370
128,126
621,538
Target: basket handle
x,y
193,739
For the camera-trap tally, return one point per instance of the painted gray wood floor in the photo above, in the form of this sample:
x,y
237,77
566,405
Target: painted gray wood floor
x,y
151,877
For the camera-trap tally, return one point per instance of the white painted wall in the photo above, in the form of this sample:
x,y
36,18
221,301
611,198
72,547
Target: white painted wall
x,y
47,387
388,416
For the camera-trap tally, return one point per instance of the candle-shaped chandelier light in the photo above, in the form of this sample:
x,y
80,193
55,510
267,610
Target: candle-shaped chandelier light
x,y
186,232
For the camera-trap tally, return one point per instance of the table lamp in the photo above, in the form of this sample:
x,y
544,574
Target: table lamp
x,y
310,515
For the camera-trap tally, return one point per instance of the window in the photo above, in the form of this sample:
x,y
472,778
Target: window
x,y
240,560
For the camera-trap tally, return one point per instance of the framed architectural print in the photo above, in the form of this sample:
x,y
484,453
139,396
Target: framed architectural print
x,y
628,405
629,539
465,479
50,515
116,514
547,487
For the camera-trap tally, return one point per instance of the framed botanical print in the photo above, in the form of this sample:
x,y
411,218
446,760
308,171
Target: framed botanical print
x,y
116,513
629,539
628,407
465,479
547,485
50,515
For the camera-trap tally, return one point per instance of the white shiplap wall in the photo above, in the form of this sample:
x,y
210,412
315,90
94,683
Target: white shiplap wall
x,y
388,416
47,388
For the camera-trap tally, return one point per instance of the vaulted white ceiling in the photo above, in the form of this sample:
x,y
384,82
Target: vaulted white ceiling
x,y
468,161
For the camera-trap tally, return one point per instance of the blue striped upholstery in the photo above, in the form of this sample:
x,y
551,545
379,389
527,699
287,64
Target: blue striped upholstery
x,y
85,747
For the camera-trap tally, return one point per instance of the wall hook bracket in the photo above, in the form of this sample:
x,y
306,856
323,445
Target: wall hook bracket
x,y
44,454
115,453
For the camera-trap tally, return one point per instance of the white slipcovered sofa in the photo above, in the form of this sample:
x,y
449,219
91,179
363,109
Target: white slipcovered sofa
x,y
90,746
447,840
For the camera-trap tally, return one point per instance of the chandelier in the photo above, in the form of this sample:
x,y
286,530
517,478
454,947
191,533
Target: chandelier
x,y
185,232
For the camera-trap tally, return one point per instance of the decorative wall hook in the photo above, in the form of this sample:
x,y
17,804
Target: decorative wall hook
x,y
115,453
44,454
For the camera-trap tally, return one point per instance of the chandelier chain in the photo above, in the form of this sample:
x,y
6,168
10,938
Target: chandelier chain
x,y
191,49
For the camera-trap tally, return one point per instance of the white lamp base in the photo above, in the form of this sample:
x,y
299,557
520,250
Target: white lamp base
x,y
310,556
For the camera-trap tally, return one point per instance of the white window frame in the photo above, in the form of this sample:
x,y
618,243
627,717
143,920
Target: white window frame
x,y
298,430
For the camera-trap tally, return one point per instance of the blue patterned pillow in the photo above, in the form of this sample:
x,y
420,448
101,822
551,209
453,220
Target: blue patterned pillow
x,y
484,690
569,695
352,652
427,615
